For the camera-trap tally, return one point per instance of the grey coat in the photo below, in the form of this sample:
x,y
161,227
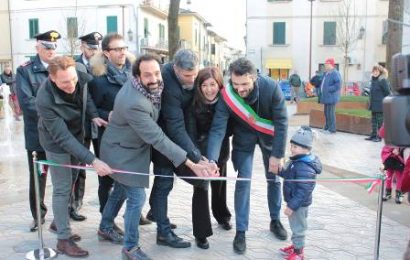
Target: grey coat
x,y
130,135
60,122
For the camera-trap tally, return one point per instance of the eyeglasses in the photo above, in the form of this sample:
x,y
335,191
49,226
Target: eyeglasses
x,y
118,49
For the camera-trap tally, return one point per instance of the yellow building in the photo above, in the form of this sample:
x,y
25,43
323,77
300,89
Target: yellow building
x,y
193,34
5,46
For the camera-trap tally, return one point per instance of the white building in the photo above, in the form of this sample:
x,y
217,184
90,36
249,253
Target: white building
x,y
406,28
278,34
71,19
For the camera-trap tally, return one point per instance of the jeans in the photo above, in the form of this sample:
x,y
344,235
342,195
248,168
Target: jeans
x,y
159,198
135,201
62,179
330,117
243,162
298,225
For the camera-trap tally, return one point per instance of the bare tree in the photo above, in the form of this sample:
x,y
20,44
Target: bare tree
x,y
347,33
173,31
74,28
394,30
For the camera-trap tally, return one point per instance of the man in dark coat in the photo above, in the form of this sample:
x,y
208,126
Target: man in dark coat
x,y
29,77
62,104
330,95
257,108
89,47
179,77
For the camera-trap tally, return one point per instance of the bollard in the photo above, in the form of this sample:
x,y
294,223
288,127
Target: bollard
x,y
379,221
41,253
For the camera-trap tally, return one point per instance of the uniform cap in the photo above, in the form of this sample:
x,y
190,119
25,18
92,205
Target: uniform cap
x,y
48,39
92,39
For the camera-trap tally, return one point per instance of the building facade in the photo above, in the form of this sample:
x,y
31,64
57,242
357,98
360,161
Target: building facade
x,y
5,43
278,36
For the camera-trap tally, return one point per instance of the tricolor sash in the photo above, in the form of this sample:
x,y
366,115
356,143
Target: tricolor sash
x,y
245,112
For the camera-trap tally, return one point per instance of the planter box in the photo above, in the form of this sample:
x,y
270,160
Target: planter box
x,y
344,123
306,107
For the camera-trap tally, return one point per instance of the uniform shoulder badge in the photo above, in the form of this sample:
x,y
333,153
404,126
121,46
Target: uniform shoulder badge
x,y
26,63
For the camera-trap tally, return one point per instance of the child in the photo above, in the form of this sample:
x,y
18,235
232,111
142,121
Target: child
x,y
298,194
393,164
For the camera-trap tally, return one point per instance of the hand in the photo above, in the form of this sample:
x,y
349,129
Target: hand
x,y
99,122
203,168
395,151
101,167
275,165
288,211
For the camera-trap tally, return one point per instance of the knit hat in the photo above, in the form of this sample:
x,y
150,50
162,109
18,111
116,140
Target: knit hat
x,y
330,61
303,137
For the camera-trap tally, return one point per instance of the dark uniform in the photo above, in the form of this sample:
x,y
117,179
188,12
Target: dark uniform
x,y
92,40
29,77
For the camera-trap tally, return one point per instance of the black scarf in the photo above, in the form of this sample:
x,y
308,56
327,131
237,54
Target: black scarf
x,y
73,98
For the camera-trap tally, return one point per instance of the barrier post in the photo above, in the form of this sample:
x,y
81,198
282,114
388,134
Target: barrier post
x,y
42,253
379,220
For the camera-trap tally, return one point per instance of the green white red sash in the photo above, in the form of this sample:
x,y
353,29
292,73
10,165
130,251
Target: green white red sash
x,y
245,112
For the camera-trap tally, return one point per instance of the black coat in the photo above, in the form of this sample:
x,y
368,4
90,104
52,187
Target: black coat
x,y
175,104
29,78
199,121
379,89
60,122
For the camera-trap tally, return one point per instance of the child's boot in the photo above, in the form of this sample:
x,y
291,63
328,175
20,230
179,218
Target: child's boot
x,y
399,197
287,250
387,195
296,255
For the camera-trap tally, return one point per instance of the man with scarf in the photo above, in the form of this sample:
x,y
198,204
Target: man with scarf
x,y
257,107
62,104
111,69
126,145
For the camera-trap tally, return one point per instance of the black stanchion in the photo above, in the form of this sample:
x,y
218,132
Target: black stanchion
x,y
379,220
41,253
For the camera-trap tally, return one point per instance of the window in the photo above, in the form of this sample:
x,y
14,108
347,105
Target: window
x,y
329,33
213,48
161,32
279,33
72,28
112,24
33,27
146,28
384,33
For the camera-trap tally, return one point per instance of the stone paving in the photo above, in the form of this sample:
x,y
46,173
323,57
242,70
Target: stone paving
x,y
339,227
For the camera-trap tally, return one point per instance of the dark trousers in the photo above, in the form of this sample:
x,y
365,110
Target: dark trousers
x,y
201,219
330,117
42,180
219,208
79,184
377,121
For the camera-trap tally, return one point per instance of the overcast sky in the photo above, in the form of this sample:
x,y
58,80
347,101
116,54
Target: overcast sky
x,y
228,18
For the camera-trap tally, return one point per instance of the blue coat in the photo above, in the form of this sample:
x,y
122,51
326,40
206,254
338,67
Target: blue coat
x,y
330,88
270,104
29,78
299,194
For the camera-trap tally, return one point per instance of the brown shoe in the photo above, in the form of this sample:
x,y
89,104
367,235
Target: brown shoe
x,y
70,248
73,237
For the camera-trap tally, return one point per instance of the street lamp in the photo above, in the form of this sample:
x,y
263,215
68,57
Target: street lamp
x,y
310,39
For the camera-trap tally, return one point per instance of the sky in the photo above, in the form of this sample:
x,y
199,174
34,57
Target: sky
x,y
228,18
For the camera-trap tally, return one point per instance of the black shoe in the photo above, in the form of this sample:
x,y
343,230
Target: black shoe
x,y
202,243
399,197
278,230
150,217
239,242
77,217
377,139
387,196
226,225
34,225
172,240
144,221
370,138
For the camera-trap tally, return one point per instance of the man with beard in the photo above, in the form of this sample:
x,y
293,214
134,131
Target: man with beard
x,y
28,80
126,145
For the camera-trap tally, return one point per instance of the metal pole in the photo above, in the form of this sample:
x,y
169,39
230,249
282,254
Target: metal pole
x,y
310,40
40,253
379,221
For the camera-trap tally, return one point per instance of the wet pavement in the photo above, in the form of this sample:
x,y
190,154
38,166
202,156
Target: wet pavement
x,y
341,225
